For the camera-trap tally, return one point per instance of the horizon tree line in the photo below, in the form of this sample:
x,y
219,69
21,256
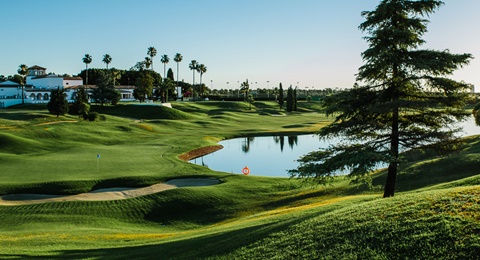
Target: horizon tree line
x,y
148,62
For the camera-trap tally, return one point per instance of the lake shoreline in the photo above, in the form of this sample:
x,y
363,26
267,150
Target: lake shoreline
x,y
199,152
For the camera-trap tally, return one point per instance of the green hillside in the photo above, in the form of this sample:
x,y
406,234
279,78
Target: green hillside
x,y
434,215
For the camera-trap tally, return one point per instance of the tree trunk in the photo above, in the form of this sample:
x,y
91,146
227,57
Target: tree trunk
x,y
391,177
200,91
394,144
392,167
193,87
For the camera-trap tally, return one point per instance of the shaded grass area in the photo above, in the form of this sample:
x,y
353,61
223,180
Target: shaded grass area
x,y
18,145
428,225
428,169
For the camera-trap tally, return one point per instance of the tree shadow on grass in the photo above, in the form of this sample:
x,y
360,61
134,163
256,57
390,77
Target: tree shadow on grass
x,y
217,244
425,174
22,115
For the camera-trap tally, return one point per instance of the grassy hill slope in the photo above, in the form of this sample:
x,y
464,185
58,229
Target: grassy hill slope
x,y
435,214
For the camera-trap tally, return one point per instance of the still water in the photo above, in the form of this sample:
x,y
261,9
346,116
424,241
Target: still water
x,y
274,155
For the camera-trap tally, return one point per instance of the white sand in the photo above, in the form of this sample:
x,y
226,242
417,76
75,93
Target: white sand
x,y
106,194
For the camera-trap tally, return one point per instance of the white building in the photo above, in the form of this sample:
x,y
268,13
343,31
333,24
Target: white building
x,y
10,90
39,85
10,93
53,81
125,91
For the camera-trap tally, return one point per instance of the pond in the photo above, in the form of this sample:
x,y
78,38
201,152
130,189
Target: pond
x,y
273,156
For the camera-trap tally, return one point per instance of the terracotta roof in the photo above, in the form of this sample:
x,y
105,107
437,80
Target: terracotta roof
x,y
72,78
80,86
56,76
47,76
95,86
36,67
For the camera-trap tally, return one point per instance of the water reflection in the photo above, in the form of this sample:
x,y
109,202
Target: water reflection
x,y
246,144
279,140
292,141
267,155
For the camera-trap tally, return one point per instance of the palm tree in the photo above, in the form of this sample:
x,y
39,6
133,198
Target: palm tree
x,y
193,66
107,59
152,52
23,71
245,87
178,58
165,60
115,75
201,69
148,62
87,60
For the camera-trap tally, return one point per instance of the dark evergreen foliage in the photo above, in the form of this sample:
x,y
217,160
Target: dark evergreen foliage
x,y
406,100
80,105
476,114
126,77
170,74
295,99
58,104
290,99
280,96
105,91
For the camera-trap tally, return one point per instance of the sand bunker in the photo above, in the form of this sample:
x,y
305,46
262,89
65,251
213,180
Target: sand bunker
x,y
106,194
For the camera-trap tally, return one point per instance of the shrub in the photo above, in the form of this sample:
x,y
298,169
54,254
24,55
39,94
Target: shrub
x,y
475,113
93,116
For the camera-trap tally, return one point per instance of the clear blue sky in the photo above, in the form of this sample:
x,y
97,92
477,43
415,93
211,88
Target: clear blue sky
x,y
313,42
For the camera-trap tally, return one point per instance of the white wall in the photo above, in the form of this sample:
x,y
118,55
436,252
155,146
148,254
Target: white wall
x,y
10,92
10,102
49,82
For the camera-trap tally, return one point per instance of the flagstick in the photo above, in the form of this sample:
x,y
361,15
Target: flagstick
x,y
98,160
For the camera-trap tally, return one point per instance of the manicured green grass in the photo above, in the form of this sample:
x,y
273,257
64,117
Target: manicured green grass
x,y
440,224
434,215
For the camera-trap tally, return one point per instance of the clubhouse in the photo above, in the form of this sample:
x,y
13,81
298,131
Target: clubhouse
x,y
39,84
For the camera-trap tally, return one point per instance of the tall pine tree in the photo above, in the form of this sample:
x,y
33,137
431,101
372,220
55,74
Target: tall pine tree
x,y
295,99
280,96
290,99
170,74
405,100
